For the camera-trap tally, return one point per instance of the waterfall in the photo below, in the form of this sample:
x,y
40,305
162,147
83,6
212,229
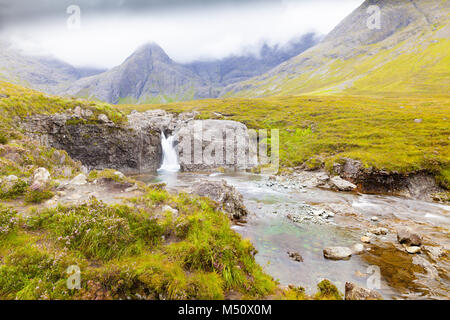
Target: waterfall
x,y
170,159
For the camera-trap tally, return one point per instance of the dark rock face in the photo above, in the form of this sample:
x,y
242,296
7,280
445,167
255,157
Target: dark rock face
x,y
98,145
230,200
419,185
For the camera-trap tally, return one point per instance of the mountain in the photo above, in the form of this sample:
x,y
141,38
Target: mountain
x,y
238,68
42,73
408,55
34,72
146,75
150,76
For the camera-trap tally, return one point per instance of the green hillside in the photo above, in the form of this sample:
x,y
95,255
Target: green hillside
x,y
409,55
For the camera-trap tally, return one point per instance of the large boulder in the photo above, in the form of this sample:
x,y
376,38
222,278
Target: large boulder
x,y
354,292
408,237
206,145
337,253
229,199
41,177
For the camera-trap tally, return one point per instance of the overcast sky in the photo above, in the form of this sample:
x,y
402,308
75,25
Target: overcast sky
x,y
111,30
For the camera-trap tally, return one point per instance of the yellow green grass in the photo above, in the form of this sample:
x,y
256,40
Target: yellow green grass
x,y
16,101
418,66
129,251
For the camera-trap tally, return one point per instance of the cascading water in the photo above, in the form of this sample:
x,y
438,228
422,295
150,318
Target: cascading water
x,y
170,158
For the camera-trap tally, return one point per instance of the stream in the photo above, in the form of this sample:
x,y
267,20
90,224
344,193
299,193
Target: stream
x,y
401,275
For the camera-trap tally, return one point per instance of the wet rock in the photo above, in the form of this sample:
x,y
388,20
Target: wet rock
x,y
408,237
229,199
354,292
379,231
304,212
365,239
357,248
41,177
413,249
295,256
79,180
337,253
340,184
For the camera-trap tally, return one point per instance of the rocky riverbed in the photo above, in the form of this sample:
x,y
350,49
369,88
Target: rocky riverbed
x,y
341,236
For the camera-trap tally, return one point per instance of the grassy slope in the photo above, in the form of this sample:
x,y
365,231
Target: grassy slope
x,y
400,70
411,59
381,132
133,250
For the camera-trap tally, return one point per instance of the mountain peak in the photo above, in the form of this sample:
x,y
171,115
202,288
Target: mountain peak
x,y
150,51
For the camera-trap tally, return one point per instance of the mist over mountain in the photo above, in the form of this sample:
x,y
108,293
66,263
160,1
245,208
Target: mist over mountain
x,y
407,54
149,75
43,73
238,68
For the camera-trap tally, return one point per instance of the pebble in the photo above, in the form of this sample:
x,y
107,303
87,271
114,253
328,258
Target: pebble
x,y
365,239
413,250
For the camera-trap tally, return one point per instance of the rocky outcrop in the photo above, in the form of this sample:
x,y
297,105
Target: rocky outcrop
x,y
295,256
354,292
97,142
206,145
228,198
418,185
135,146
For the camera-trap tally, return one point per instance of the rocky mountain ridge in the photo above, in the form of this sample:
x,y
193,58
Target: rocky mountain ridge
x,y
408,54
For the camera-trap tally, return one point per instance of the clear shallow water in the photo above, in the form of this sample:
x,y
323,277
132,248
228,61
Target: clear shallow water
x,y
273,234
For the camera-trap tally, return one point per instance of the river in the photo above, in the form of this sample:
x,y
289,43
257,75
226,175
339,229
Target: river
x,y
401,275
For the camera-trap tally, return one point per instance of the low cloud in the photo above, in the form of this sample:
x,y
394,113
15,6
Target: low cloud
x,y
187,30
